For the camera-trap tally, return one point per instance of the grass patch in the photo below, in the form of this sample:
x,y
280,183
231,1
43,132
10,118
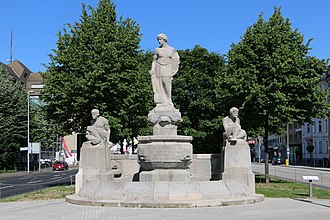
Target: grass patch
x,y
279,188
56,192
8,171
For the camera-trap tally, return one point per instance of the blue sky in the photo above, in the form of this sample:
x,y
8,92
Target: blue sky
x,y
213,24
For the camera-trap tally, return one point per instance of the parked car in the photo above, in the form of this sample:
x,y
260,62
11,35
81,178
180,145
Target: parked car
x,y
277,161
60,165
45,161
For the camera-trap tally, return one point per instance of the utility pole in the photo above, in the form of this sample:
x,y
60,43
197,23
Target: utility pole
x,y
287,161
11,46
28,134
259,154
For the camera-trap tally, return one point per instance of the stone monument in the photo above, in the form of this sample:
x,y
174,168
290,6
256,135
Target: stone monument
x,y
232,126
164,179
236,152
95,163
164,156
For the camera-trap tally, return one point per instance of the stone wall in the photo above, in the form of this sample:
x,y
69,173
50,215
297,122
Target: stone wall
x,y
204,167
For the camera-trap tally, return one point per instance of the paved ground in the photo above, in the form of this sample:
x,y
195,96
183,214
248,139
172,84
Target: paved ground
x,y
269,209
278,208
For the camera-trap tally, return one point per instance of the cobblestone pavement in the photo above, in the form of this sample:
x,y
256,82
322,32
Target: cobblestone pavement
x,y
278,208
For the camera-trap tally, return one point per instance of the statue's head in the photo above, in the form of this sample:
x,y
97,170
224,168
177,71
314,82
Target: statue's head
x,y
234,112
95,113
162,36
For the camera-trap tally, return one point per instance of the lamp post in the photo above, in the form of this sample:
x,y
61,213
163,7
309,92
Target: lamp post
x,y
287,161
28,136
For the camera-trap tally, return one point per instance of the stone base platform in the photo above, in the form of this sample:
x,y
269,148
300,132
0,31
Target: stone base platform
x,y
77,200
163,194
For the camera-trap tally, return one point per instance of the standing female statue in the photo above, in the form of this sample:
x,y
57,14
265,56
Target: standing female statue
x,y
165,65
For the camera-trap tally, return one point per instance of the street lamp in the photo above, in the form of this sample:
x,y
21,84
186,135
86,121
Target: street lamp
x,y
28,136
287,161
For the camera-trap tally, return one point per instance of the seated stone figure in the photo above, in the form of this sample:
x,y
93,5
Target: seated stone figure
x,y
231,124
99,131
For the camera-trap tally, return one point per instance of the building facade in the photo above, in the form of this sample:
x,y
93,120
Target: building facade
x,y
315,136
30,81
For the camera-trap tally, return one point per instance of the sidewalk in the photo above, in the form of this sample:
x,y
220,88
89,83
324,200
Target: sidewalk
x,y
310,168
278,208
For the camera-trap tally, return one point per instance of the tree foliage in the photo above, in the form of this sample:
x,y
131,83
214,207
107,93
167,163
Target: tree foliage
x,y
98,64
194,95
13,119
42,128
272,78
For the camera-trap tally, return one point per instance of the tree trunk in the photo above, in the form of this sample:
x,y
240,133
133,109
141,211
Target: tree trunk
x,y
312,159
266,151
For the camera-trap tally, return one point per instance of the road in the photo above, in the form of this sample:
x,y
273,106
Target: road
x,y
30,182
296,172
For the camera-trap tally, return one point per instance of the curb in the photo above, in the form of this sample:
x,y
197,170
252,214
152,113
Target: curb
x,y
77,200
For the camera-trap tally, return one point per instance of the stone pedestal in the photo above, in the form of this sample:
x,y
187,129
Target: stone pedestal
x,y
237,164
165,120
160,187
94,169
164,177
164,152
165,156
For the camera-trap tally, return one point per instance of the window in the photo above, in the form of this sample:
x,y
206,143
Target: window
x,y
308,128
299,136
291,138
295,136
314,151
26,74
304,148
326,125
320,126
320,147
326,147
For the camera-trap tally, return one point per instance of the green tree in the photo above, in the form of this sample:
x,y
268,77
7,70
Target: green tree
x,y
98,64
194,94
272,78
43,129
13,119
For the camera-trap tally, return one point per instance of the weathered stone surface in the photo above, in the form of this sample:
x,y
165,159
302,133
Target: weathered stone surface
x,y
237,164
206,167
165,178
165,65
164,152
163,188
231,124
170,194
99,131
94,168
188,203
164,120
172,175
